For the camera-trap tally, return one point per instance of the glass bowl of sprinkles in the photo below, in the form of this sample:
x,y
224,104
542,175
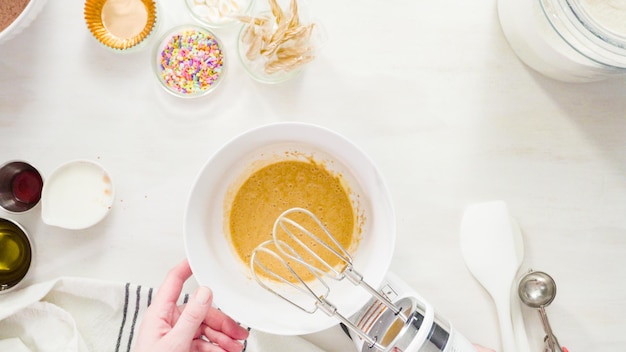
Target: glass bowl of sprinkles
x,y
189,61
218,13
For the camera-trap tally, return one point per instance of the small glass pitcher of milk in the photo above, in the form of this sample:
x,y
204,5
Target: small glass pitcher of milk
x,y
568,40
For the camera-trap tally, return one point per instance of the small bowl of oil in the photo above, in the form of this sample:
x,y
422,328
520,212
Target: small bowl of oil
x,y
16,254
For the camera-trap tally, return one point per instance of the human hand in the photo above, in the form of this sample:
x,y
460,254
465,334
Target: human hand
x,y
196,326
480,348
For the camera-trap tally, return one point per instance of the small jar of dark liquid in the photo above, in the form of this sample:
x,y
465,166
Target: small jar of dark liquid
x,y
20,186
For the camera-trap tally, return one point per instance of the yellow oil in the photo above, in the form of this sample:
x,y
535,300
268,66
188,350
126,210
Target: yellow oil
x,y
15,254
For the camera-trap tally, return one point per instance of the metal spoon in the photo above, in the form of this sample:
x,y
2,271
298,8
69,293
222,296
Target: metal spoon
x,y
537,290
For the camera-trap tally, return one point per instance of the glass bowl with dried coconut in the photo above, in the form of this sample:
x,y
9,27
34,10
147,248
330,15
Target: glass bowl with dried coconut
x,y
275,45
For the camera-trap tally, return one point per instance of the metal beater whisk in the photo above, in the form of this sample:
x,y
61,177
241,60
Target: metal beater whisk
x,y
294,266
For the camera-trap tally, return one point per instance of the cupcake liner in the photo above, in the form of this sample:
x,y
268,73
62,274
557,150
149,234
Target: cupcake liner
x,y
93,18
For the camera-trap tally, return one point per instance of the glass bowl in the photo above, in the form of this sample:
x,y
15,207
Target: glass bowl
x,y
218,13
256,68
276,48
189,61
122,28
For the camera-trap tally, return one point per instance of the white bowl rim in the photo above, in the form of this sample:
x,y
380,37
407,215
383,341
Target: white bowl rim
x,y
18,24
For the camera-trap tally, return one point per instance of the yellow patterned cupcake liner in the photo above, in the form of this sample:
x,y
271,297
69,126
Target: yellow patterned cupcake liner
x,y
93,18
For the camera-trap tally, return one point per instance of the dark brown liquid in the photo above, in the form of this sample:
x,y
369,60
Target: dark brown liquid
x,y
26,186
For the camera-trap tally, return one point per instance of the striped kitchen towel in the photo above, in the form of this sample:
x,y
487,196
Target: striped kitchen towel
x,y
86,315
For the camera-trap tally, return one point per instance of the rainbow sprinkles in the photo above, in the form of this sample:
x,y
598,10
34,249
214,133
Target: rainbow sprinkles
x,y
190,62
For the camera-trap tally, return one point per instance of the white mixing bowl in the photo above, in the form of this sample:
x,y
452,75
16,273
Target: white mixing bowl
x,y
216,265
22,21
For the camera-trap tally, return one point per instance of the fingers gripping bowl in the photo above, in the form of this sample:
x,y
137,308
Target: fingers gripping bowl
x,y
213,259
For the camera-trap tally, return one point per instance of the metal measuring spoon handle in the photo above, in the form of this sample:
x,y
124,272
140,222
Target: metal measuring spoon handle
x,y
550,339
556,347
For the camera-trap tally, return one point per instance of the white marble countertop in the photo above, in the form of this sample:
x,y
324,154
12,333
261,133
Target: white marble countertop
x,y
429,90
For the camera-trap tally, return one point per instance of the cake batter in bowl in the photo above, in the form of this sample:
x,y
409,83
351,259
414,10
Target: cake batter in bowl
x,y
213,258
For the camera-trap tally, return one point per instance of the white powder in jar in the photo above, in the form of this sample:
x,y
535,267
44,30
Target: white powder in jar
x,y
610,14
544,35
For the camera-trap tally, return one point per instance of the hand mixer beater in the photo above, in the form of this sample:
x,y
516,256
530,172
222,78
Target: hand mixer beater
x,y
294,263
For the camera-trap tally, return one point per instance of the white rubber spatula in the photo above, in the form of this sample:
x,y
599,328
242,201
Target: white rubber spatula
x,y
519,329
488,247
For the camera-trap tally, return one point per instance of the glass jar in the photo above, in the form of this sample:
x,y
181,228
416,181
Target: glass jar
x,y
568,40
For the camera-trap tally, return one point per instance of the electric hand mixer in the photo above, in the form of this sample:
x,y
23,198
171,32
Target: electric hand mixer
x,y
395,319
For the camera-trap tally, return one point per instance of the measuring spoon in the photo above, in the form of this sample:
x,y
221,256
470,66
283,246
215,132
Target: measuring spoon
x,y
537,290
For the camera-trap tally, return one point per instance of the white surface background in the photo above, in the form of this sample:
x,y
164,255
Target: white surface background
x,y
429,90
